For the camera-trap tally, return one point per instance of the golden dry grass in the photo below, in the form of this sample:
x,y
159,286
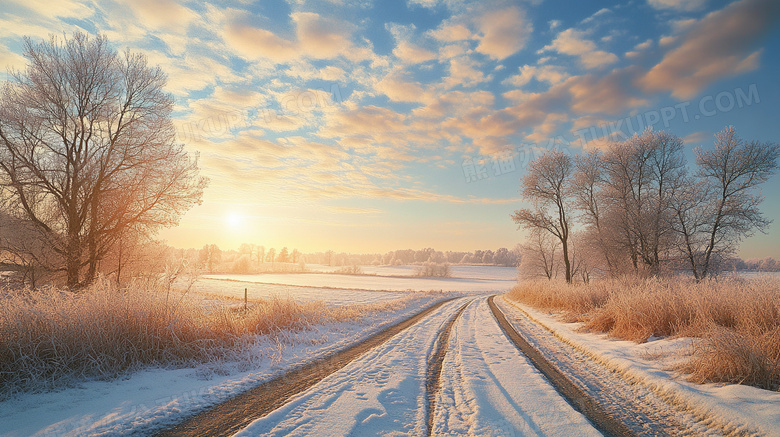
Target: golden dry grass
x,y
50,337
736,320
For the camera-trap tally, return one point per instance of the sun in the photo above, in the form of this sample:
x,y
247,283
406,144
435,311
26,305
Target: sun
x,y
234,221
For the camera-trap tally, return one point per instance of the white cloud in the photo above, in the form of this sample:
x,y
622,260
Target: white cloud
x,y
677,5
574,42
503,33
545,73
719,45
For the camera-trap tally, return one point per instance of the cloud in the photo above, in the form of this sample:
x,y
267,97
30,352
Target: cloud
x,y
456,103
677,5
574,42
639,48
253,42
547,127
162,14
721,44
451,33
317,37
545,73
696,137
398,89
464,71
353,210
57,9
412,54
321,37
503,32
611,94
10,60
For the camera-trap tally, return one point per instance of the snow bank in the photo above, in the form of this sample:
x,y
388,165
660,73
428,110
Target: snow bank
x,y
742,409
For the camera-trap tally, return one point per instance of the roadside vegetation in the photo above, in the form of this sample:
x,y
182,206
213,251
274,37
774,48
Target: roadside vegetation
x,y
50,338
736,321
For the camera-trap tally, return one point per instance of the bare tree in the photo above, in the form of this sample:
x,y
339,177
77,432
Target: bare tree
x,y
548,186
588,188
639,178
88,151
538,254
210,256
731,174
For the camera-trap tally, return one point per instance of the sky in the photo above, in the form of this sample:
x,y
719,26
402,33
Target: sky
x,y
374,125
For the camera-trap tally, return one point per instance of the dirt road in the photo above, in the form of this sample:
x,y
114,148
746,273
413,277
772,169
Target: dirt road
x,y
470,366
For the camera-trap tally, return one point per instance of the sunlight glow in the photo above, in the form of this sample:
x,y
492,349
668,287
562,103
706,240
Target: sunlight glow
x,y
235,221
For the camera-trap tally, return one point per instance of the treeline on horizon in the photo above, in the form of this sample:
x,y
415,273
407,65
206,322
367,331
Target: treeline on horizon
x,y
249,258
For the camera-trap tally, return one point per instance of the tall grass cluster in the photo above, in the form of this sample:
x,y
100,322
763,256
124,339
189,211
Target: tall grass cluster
x,y
736,321
49,337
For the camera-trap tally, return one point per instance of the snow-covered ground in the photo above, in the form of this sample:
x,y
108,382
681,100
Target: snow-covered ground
x,y
457,271
392,278
741,409
234,289
488,388
154,398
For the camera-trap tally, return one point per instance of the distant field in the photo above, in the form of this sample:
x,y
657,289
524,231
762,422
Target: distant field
x,y
464,279
233,289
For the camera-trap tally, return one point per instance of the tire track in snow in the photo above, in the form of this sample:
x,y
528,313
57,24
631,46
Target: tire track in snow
x,y
489,388
236,413
433,382
576,397
380,393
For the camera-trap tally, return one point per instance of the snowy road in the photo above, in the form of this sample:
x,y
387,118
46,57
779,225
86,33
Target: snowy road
x,y
486,388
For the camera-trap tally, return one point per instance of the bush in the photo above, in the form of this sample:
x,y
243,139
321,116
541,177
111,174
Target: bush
x,y
430,269
350,270
241,265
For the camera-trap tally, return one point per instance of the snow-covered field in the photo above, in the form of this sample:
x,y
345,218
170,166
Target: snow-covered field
x,y
149,399
234,289
457,271
392,278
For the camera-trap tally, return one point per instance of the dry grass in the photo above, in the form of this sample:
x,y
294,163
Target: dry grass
x,y
737,320
49,338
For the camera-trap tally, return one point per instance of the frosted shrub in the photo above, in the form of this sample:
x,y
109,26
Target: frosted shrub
x,y
430,269
354,269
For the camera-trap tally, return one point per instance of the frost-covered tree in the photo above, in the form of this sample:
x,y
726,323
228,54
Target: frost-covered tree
x,y
547,185
88,150
723,208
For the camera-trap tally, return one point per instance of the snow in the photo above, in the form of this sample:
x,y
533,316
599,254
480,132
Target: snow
x,y
490,388
464,279
234,288
457,271
380,393
157,397
744,409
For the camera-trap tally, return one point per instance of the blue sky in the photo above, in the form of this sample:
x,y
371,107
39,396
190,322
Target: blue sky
x,y
376,125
